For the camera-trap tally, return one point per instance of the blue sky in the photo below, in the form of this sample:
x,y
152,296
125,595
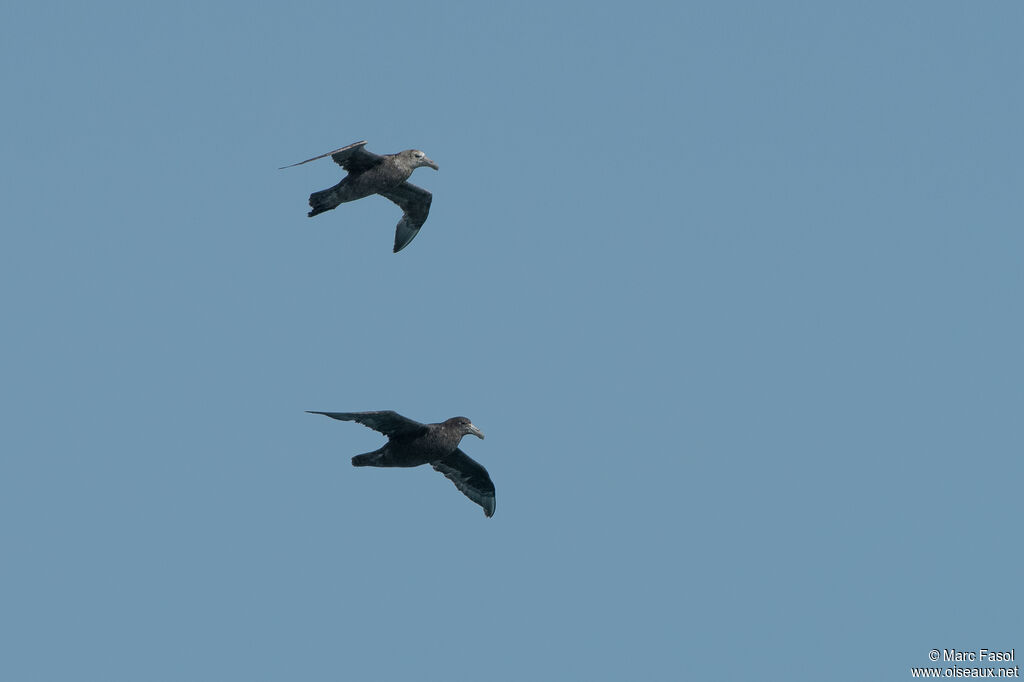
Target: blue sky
x,y
733,289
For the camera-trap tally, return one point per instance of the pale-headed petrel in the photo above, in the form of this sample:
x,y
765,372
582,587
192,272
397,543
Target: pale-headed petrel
x,y
411,444
387,175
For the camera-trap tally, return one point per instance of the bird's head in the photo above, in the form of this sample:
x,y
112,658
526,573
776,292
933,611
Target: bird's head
x,y
418,158
465,427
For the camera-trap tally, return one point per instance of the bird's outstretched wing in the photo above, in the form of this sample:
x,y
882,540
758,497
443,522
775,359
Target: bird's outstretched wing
x,y
415,204
353,158
385,421
469,477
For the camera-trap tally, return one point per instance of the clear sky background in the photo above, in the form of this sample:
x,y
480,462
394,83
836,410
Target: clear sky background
x,y
734,290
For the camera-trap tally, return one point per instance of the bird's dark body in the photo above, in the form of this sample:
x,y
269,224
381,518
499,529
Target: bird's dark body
x,y
413,450
384,176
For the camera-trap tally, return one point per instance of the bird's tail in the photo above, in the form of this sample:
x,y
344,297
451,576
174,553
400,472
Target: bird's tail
x,y
322,201
370,459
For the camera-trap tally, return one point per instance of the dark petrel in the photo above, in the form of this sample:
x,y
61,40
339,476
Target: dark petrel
x,y
411,444
387,175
